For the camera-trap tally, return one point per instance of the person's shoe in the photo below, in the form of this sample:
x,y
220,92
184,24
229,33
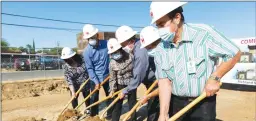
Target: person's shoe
x,y
87,112
108,117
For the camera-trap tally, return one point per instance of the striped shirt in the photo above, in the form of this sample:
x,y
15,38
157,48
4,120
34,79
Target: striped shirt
x,y
200,43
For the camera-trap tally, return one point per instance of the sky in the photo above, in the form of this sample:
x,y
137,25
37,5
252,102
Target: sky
x,y
233,19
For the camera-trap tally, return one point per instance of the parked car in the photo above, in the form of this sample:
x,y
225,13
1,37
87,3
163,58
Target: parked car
x,y
48,63
21,64
35,64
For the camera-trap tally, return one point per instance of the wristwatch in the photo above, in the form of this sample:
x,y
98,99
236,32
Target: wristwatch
x,y
213,77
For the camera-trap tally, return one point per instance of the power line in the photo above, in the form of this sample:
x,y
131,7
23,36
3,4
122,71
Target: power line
x,y
42,27
74,22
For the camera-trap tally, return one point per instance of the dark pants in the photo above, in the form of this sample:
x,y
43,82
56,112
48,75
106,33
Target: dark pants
x,y
203,111
153,104
85,91
95,98
118,106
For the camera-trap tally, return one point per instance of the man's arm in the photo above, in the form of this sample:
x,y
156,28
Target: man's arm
x,y
221,47
139,73
165,92
90,67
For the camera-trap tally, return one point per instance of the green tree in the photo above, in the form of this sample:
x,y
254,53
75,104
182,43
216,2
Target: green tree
x,y
4,45
22,49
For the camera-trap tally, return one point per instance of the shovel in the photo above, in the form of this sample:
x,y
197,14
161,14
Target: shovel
x,y
81,87
138,103
189,106
100,101
95,90
102,115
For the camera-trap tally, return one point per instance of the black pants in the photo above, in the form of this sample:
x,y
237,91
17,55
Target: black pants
x,y
203,111
153,104
85,91
95,98
118,106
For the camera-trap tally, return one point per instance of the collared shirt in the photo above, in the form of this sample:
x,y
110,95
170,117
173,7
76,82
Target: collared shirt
x,y
142,71
200,43
97,61
75,75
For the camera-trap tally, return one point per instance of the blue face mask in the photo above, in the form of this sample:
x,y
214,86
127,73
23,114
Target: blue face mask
x,y
166,35
116,56
151,52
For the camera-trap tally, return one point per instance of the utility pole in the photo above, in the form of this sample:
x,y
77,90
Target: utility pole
x,y
58,44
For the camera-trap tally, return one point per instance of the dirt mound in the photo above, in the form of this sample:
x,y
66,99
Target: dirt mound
x,y
32,89
95,118
69,114
27,118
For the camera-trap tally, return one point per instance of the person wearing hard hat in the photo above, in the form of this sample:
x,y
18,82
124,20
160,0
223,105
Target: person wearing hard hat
x,y
185,62
97,63
120,68
143,65
75,74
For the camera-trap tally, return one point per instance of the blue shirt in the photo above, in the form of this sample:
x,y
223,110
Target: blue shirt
x,y
97,61
143,68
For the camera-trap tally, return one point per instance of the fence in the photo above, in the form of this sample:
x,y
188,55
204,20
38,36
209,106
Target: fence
x,y
21,66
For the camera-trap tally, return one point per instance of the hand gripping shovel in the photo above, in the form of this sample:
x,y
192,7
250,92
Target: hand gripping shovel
x,y
189,106
81,87
138,103
95,90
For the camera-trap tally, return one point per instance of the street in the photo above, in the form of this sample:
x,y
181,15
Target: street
x,y
22,75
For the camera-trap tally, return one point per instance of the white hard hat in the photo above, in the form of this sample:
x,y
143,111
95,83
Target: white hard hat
x,y
160,9
89,31
67,53
124,33
148,35
113,45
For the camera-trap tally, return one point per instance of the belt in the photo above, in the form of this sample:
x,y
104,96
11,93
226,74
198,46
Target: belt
x,y
184,98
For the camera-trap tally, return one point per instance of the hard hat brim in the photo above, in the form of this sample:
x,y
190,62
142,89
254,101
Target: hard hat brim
x,y
67,57
89,36
114,50
155,19
145,45
128,37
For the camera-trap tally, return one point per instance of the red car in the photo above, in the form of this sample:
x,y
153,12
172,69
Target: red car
x,y
21,64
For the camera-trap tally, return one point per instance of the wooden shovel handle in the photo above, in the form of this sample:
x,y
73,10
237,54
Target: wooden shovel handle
x,y
102,115
95,90
78,91
189,106
138,103
104,99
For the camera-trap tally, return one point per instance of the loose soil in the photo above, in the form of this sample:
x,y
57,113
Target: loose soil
x,y
43,101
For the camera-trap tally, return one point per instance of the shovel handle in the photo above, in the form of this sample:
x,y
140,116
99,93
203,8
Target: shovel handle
x,y
138,103
189,106
78,91
102,115
100,101
95,90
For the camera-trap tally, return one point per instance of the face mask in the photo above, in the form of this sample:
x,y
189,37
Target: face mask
x,y
117,56
92,42
166,35
127,49
151,52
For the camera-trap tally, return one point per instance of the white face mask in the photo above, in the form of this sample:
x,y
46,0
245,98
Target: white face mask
x,y
127,49
92,42
166,35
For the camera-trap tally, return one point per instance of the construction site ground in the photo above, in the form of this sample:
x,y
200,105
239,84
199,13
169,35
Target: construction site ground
x,y
43,101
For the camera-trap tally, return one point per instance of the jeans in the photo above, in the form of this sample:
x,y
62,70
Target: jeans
x,y
95,98
118,106
203,111
153,104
